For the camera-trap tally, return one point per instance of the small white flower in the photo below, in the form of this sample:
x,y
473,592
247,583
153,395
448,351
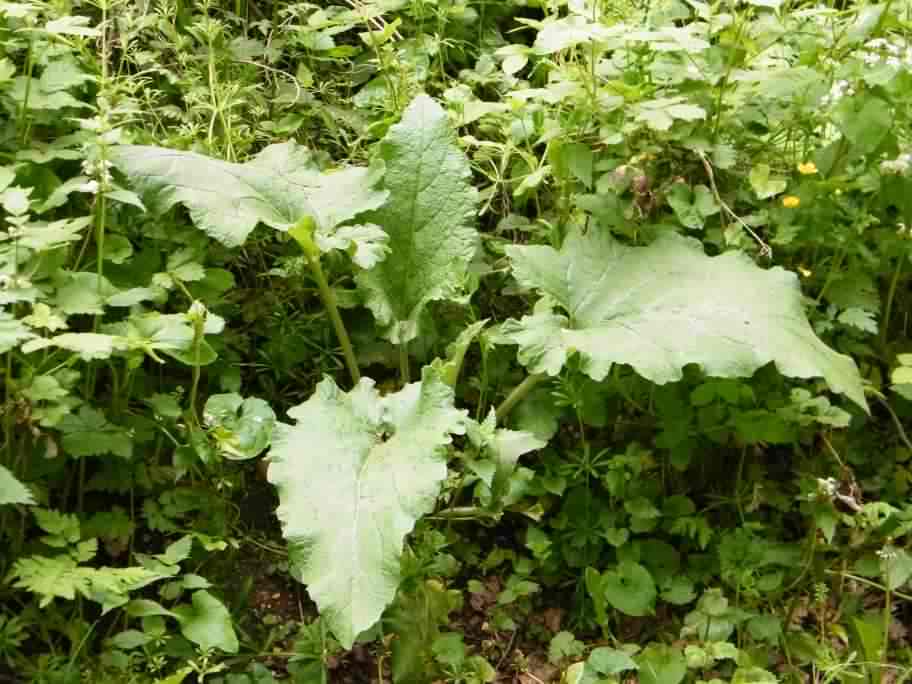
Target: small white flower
x,y
827,487
887,553
90,187
897,167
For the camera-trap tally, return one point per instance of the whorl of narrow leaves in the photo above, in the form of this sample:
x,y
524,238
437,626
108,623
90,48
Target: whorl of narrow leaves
x,y
661,307
429,218
353,475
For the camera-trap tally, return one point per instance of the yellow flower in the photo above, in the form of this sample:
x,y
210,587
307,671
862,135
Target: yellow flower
x,y
790,201
807,168
807,273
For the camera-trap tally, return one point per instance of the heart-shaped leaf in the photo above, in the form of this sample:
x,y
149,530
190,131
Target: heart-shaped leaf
x,y
353,475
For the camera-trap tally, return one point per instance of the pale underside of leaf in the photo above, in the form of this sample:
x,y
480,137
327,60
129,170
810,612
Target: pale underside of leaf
x,y
278,187
353,475
428,218
662,307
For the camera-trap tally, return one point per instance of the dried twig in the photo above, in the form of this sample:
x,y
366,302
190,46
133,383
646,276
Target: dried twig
x,y
765,249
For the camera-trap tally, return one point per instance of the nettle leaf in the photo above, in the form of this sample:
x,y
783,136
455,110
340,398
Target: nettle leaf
x,y
661,114
278,187
429,219
12,491
353,475
662,307
12,332
82,293
90,434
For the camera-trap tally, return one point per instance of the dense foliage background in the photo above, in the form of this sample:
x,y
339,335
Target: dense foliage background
x,y
455,341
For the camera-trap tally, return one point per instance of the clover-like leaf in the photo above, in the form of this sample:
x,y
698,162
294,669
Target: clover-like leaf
x,y
661,307
630,588
353,475
278,187
207,623
428,218
242,428
764,183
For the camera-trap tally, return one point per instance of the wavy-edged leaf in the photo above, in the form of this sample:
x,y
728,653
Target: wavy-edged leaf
x,y
353,475
661,307
278,187
429,219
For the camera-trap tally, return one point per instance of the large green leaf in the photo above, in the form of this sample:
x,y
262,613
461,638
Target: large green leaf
x,y
661,307
353,475
428,218
278,187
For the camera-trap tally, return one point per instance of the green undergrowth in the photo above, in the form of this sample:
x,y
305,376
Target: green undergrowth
x,y
457,341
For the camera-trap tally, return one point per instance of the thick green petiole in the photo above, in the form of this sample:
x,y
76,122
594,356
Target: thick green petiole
x,y
518,394
303,235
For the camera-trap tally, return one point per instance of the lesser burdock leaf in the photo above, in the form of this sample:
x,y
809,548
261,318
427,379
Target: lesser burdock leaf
x,y
429,218
661,307
278,187
353,475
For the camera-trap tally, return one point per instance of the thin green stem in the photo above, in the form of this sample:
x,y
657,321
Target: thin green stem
x,y
303,234
738,484
887,621
867,582
404,363
329,301
835,268
23,108
891,295
518,394
196,372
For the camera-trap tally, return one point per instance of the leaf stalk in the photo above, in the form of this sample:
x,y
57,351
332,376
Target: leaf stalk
x,y
303,235
518,394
